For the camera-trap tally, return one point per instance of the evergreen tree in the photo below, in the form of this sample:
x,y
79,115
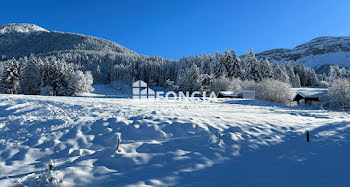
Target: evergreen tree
x,y
296,81
343,73
233,65
206,64
10,78
280,73
220,67
312,78
31,78
194,78
266,69
292,77
252,67
205,84
333,73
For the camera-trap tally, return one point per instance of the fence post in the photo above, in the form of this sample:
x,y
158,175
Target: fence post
x,y
307,136
118,142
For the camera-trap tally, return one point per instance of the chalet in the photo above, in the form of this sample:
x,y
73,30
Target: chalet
x,y
309,96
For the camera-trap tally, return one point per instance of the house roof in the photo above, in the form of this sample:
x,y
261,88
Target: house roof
x,y
311,94
228,94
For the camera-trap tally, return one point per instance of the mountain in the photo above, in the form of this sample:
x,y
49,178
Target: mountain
x,y
317,53
21,39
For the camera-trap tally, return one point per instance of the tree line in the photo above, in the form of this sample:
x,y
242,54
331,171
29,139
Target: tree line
x,y
70,72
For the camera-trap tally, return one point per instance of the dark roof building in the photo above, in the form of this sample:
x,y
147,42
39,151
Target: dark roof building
x,y
309,96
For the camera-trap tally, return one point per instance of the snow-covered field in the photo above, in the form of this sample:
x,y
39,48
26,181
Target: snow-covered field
x,y
171,143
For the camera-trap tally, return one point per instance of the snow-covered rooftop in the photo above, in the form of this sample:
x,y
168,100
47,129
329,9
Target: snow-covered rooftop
x,y
228,93
311,93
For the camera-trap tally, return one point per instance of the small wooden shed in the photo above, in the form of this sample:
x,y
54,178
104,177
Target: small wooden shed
x,y
308,97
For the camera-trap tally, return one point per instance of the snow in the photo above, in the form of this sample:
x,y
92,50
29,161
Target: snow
x,y
20,28
228,94
109,91
309,92
315,53
171,142
336,58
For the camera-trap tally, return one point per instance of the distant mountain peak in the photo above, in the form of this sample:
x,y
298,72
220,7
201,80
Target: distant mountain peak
x,y
20,28
23,39
325,50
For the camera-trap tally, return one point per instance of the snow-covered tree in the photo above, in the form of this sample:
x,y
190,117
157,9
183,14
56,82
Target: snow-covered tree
x,y
293,79
252,67
2,67
225,84
81,82
56,74
219,65
279,73
205,83
31,77
333,73
339,93
266,69
312,78
296,82
233,65
271,90
189,79
206,64
10,78
194,78
343,73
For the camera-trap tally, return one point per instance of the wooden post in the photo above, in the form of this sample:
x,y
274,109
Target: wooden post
x,y
118,143
307,136
51,165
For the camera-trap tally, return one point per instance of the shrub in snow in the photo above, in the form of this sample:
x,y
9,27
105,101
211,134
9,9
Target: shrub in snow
x,y
339,94
188,79
80,82
49,177
47,90
235,85
205,83
226,84
270,90
323,84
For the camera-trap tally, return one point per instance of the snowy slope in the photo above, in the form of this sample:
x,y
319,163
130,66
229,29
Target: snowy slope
x,y
20,28
22,39
171,143
315,53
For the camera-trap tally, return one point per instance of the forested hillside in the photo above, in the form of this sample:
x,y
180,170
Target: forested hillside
x,y
56,63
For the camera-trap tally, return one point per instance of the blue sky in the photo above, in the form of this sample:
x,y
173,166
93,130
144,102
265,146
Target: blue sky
x,y
176,28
